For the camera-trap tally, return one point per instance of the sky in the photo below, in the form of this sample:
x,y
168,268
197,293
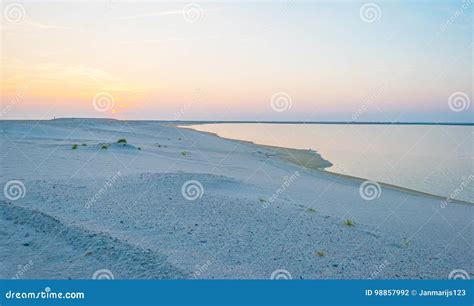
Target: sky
x,y
238,60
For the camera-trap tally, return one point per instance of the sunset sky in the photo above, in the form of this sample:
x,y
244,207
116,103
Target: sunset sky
x,y
225,61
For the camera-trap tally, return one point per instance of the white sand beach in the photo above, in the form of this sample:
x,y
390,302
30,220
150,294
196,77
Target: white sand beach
x,y
124,208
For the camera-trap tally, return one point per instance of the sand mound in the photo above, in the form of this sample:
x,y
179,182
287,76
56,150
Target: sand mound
x,y
35,238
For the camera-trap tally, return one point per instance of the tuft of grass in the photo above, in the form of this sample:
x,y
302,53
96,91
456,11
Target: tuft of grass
x,y
312,210
320,253
74,146
104,146
122,140
349,222
184,153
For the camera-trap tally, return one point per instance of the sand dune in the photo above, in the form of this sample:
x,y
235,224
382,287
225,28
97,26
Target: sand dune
x,y
123,209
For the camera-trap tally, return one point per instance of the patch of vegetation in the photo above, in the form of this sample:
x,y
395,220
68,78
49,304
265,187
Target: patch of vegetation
x,y
262,199
122,140
320,253
74,146
349,222
312,210
104,146
184,153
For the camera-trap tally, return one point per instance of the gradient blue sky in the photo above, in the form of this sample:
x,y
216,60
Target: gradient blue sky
x,y
227,64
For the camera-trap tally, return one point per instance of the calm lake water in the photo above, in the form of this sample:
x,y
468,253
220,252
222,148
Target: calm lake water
x,y
429,158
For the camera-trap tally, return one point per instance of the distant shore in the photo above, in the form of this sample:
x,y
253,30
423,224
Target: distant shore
x,y
193,122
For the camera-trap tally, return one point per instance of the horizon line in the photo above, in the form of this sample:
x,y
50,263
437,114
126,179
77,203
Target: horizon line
x,y
260,121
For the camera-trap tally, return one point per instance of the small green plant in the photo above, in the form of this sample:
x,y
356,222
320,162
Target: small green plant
x,y
184,153
349,222
320,253
312,210
104,146
122,140
74,146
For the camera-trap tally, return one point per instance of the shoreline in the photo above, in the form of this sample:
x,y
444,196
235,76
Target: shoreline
x,y
287,154
320,164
